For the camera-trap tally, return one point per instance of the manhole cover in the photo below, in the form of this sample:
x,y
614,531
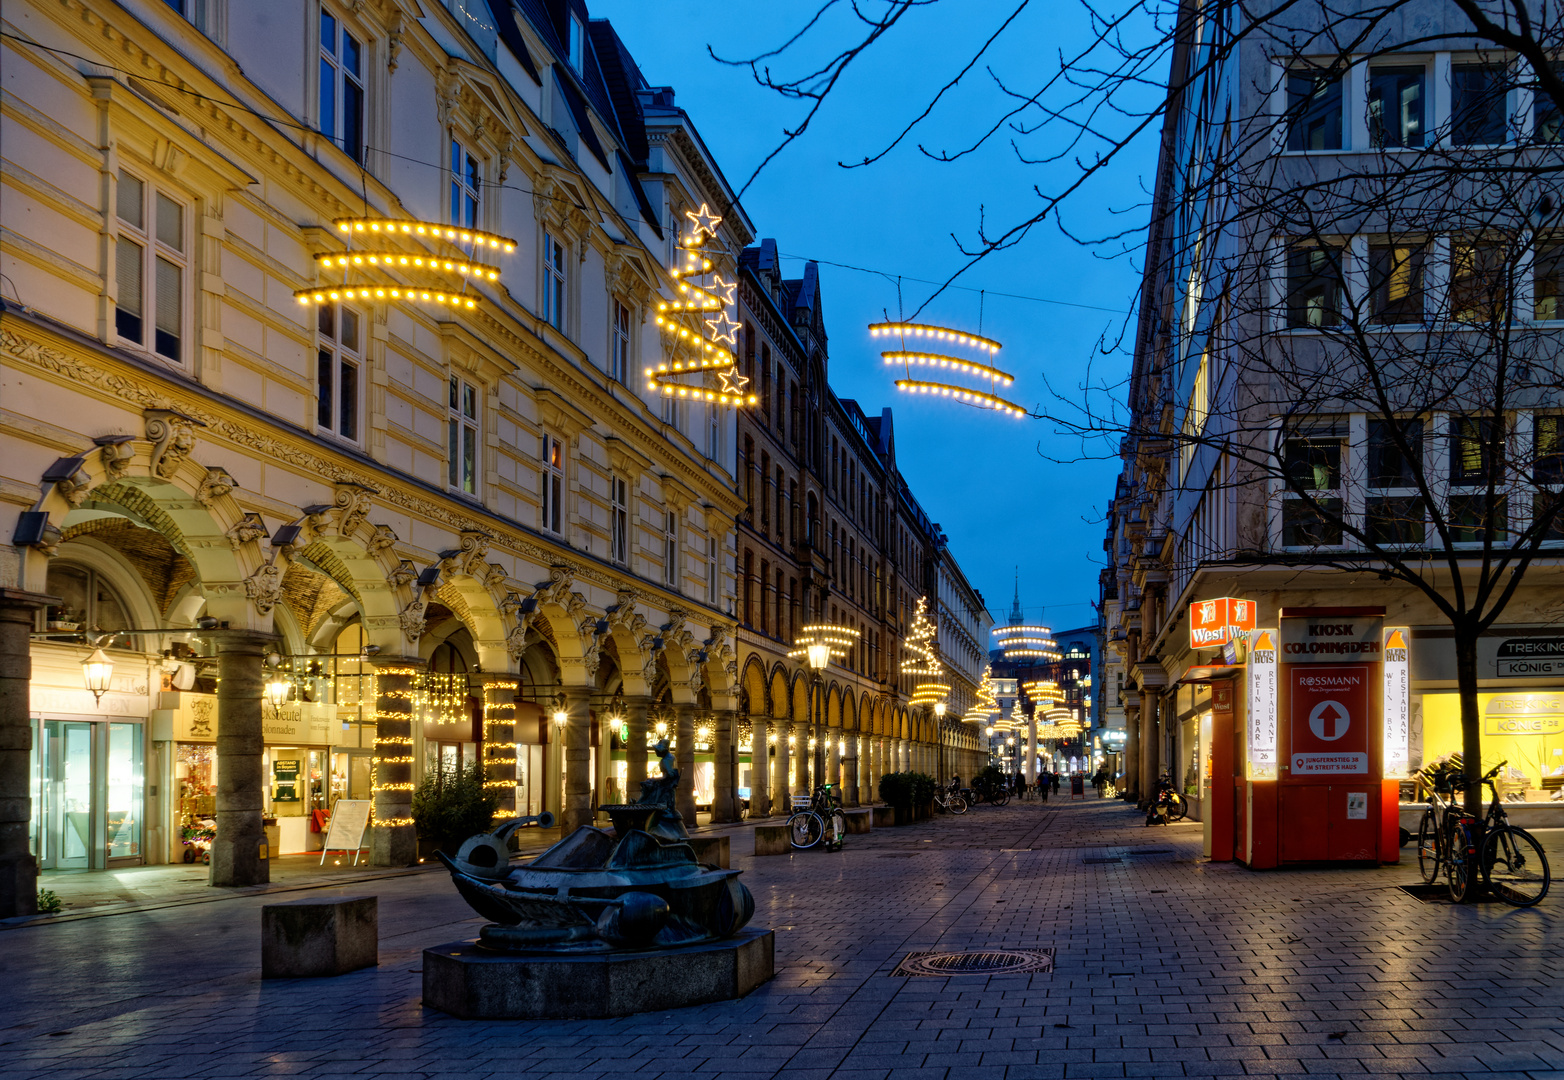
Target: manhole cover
x,y
983,962
1098,862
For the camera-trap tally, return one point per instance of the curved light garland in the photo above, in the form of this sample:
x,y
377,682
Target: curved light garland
x,y
1026,642
838,640
939,333
697,319
929,693
953,363
400,260
999,404
426,230
381,259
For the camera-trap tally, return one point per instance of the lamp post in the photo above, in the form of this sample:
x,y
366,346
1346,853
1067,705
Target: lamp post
x,y
816,644
939,732
96,671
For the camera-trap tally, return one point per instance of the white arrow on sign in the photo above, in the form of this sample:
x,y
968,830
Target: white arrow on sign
x,y
1329,721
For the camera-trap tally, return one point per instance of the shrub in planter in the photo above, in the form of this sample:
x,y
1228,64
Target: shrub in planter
x,y
452,805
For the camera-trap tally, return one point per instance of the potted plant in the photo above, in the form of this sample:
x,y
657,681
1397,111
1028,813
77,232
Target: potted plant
x,y
450,806
896,792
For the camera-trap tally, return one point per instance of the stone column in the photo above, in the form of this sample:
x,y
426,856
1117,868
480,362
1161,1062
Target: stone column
x,y
684,758
722,802
18,868
1131,755
393,840
782,792
876,766
1150,738
759,768
236,850
499,743
576,741
603,757
1031,749
833,760
860,748
635,746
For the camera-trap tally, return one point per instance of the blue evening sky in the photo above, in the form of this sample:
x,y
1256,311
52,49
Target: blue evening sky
x,y
983,477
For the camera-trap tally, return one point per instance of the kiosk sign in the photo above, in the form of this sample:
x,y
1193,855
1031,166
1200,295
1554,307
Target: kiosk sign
x,y
1334,689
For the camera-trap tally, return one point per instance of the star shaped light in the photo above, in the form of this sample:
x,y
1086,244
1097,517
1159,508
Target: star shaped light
x,y
724,288
724,329
705,221
732,381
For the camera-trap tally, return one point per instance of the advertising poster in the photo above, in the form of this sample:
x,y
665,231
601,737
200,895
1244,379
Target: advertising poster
x,y
1333,687
1261,741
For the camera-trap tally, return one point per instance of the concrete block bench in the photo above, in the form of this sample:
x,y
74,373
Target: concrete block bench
x,y
712,849
308,939
884,816
858,821
773,840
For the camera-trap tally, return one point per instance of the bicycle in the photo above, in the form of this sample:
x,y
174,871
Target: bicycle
x,y
819,817
1167,804
950,800
1511,863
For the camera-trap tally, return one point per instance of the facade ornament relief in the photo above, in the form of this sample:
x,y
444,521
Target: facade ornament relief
x,y
246,530
557,591
214,485
116,453
172,435
383,538
514,606
593,630
474,550
697,678
69,479
412,618
495,576
404,574
353,503
264,587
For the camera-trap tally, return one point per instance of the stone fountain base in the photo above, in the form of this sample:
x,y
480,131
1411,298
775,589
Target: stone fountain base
x,y
476,984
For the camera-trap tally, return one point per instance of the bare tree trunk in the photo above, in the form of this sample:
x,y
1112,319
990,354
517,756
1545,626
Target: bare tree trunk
x,y
1471,720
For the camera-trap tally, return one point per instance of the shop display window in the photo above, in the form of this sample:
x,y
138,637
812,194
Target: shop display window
x,y
1524,729
126,781
195,774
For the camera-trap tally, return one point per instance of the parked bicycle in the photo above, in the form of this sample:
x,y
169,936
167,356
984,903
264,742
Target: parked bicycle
x,y
818,817
987,789
1511,863
950,800
1167,805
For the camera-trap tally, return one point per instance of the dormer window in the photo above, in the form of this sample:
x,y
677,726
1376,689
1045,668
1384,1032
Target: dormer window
x,y
577,43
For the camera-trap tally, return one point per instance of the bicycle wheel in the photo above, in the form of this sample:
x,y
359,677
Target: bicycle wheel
x,y
1459,869
1428,854
1178,806
1514,867
958,805
805,828
1002,799
835,830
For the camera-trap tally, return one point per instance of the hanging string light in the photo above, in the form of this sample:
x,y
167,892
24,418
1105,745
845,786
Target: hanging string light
x,y
371,264
945,362
920,660
699,330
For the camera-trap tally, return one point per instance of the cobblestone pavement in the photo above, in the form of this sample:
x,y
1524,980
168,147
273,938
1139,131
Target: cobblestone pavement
x,y
1166,966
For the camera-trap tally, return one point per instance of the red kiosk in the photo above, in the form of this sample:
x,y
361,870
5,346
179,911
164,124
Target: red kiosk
x,y
1305,728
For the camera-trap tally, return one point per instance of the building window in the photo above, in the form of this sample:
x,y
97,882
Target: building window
x,y
88,602
577,43
1394,511
713,432
462,424
341,115
149,268
1195,415
1477,104
338,360
194,12
1547,121
671,550
465,183
619,528
553,456
1547,270
1395,107
1313,287
553,281
1314,108
619,344
1396,283
1476,462
711,570
1478,280
1311,510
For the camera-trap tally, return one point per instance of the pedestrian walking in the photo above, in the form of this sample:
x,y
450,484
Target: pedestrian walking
x,y
1056,782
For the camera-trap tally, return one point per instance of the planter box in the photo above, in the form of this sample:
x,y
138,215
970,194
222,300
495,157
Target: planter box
x,y
884,816
858,821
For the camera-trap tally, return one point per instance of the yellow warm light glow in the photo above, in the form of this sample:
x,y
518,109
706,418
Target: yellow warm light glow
x,y
396,260
384,292
938,333
976,397
951,363
427,230
834,641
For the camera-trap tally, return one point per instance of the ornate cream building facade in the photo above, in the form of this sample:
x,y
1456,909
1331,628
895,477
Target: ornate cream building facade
x,y
328,546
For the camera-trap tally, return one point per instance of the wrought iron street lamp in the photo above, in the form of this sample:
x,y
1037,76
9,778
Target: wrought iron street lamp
x,y
816,644
96,671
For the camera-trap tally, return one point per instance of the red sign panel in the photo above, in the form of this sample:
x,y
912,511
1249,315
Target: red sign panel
x,y
1330,718
1214,623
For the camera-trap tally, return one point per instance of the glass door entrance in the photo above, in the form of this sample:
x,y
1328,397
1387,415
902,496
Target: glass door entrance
x,y
66,828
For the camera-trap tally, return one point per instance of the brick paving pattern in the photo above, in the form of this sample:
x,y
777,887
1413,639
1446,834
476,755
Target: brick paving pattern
x,y
1166,965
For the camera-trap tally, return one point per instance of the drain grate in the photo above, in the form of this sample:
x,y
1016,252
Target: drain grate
x,y
1149,851
899,854
1438,893
980,962
1099,862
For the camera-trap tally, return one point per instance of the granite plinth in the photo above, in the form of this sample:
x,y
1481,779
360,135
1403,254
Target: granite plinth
x,y
311,939
475,984
858,821
884,816
712,850
773,840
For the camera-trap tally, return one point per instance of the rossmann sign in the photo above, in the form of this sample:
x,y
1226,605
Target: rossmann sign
x,y
1214,623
